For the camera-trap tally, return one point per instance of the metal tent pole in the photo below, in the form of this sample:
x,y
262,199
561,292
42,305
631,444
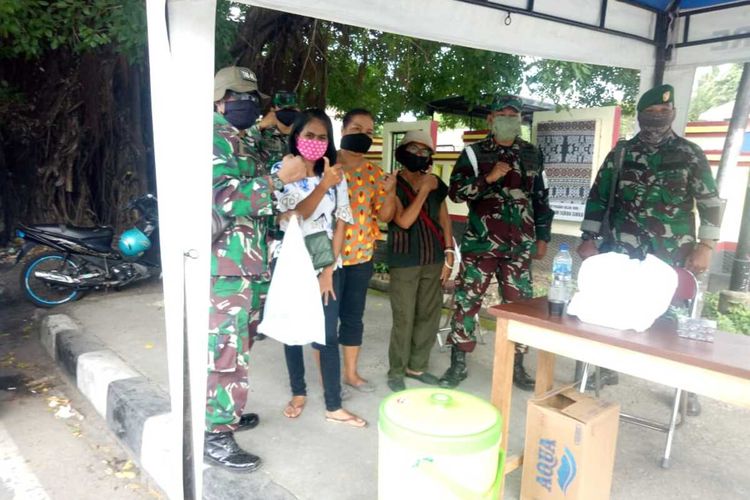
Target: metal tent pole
x,y
736,131
740,278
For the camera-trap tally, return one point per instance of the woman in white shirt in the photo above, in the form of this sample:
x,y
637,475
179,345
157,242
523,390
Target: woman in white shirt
x,y
322,202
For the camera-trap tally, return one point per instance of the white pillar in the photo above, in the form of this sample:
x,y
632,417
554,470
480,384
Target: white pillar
x,y
647,80
181,61
681,79
646,83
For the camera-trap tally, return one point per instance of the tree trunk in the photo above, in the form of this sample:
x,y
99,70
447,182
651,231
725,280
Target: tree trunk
x,y
76,147
286,53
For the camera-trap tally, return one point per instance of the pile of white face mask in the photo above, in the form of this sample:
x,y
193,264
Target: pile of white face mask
x,y
619,292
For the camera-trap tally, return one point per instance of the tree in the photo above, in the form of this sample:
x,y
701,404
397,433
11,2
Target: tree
x,y
345,67
583,85
75,139
717,87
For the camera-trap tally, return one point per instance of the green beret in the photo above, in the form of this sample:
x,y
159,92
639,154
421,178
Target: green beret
x,y
662,94
284,99
506,101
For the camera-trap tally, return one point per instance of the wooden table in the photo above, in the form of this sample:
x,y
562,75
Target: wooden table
x,y
719,370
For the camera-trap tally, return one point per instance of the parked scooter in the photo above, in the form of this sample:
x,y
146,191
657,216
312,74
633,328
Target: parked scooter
x,y
83,258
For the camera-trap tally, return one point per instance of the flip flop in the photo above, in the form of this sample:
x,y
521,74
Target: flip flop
x,y
292,410
352,421
363,387
424,377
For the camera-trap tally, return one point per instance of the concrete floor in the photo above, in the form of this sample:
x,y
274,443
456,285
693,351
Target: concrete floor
x,y
315,459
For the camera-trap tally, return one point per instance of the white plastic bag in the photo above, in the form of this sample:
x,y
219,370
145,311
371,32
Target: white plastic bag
x,y
293,313
623,293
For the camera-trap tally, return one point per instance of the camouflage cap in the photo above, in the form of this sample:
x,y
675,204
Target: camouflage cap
x,y
235,78
661,94
284,99
506,101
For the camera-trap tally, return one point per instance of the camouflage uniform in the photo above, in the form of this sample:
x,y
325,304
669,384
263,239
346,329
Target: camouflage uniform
x,y
272,146
506,218
243,191
653,209
271,143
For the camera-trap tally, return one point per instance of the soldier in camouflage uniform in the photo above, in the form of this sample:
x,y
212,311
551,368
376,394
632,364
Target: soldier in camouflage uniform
x,y
243,194
661,178
503,182
271,133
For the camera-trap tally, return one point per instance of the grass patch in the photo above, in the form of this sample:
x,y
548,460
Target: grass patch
x,y
736,320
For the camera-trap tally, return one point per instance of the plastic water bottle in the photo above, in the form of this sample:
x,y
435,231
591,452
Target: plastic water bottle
x,y
562,281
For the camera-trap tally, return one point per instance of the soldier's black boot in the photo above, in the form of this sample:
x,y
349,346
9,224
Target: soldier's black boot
x,y
222,449
521,379
248,421
693,405
457,371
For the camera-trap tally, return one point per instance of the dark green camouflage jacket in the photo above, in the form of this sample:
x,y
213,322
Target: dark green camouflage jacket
x,y
507,216
657,191
271,143
242,192
272,146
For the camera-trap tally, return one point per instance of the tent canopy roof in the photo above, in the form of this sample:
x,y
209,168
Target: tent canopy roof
x,y
681,5
624,33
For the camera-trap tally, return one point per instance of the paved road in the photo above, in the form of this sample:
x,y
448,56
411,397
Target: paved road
x,y
43,454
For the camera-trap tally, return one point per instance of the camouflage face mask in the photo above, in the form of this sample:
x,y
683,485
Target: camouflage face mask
x,y
506,128
656,126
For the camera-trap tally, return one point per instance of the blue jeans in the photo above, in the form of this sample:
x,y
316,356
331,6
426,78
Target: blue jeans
x,y
354,283
330,362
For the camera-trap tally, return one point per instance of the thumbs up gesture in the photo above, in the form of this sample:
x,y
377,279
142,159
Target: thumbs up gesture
x,y
332,175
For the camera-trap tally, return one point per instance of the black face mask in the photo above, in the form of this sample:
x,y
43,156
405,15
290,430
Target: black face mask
x,y
357,143
412,162
287,116
241,114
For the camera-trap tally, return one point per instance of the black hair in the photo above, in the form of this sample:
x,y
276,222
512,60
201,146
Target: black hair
x,y
302,120
349,116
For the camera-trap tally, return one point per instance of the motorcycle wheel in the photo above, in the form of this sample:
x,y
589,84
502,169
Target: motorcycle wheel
x,y
41,293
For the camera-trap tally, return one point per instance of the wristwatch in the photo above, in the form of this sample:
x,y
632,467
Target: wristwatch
x,y
587,235
276,182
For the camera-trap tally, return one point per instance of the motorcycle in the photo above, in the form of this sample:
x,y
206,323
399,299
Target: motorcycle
x,y
83,259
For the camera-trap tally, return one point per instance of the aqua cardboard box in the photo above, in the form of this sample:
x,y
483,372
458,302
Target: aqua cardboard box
x,y
571,440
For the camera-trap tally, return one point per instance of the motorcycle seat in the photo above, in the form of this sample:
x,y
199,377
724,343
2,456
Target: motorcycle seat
x,y
99,238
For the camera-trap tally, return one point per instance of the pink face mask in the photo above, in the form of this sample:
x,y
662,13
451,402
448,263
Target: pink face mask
x,y
312,149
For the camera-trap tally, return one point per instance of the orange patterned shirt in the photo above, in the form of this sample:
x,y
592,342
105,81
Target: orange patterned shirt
x,y
367,197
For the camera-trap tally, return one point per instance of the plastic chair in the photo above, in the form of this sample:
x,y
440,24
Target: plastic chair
x,y
685,294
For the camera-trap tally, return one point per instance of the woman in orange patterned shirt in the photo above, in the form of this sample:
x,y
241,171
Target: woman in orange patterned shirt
x,y
372,194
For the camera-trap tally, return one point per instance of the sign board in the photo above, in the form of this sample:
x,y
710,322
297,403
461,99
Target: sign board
x,y
568,150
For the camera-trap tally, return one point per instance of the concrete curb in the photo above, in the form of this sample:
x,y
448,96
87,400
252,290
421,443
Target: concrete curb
x,y
122,396
138,413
